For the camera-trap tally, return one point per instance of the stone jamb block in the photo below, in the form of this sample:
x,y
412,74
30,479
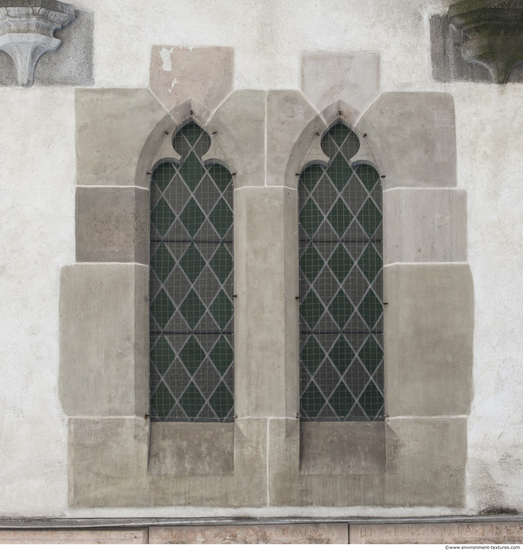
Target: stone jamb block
x,y
429,324
412,136
112,224
266,311
112,126
27,32
353,77
239,130
424,225
205,75
288,114
104,356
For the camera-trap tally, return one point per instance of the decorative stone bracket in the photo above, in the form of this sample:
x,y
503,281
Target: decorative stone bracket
x,y
495,32
26,32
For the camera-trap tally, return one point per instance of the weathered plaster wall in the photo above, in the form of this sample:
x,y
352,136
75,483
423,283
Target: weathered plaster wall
x,y
37,185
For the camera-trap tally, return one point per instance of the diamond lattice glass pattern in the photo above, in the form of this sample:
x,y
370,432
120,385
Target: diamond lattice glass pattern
x,y
341,279
191,312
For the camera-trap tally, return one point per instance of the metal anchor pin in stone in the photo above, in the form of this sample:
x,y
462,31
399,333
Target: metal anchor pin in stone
x,y
27,32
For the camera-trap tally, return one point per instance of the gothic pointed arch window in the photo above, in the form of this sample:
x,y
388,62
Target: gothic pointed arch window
x,y
341,284
191,279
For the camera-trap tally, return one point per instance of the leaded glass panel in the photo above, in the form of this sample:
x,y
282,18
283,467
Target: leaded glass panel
x,y
341,285
191,279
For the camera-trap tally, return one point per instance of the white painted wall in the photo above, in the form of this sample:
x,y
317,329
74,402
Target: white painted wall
x,y
37,179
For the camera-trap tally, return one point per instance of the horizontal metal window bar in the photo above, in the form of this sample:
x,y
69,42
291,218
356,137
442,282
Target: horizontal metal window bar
x,y
197,241
341,332
184,333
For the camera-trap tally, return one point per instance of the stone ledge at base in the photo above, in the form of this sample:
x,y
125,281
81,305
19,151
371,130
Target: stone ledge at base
x,y
334,533
74,536
463,530
438,533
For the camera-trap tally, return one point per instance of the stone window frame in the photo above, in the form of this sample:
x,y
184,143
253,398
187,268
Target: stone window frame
x,y
267,457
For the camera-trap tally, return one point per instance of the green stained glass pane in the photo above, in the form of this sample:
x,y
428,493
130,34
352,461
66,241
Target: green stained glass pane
x,y
192,132
312,401
370,217
371,309
371,400
311,175
221,217
192,309
310,217
162,401
371,354
162,262
341,263
341,309
192,400
192,355
221,176
222,401
162,355
311,263
341,355
162,308
192,263
221,309
163,174
192,171
311,309
162,216
340,217
341,400
312,355
339,132
368,175
222,355
221,263
192,217
339,171
370,263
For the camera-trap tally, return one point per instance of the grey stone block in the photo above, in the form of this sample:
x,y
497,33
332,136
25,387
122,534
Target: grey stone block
x,y
108,467
239,124
104,363
111,128
191,448
288,114
70,65
425,225
430,457
412,138
112,225
107,461
341,448
428,339
353,77
266,309
205,75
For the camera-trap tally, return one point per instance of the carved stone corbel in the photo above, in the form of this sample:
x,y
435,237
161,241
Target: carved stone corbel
x,y
27,31
494,29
